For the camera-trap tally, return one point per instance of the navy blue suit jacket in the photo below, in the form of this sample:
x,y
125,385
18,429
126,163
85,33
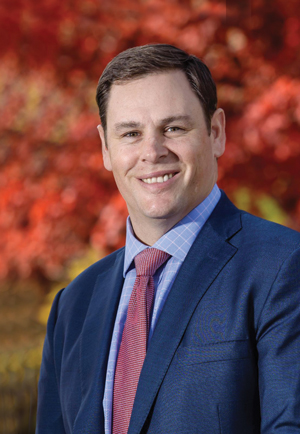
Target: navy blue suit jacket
x,y
224,357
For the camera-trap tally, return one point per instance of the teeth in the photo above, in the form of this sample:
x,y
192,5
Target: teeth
x,y
158,179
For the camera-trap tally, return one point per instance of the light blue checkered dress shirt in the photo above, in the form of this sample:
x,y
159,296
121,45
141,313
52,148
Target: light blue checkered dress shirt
x,y
177,242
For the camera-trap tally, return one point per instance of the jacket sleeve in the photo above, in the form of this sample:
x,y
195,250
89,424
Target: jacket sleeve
x,y
49,414
279,352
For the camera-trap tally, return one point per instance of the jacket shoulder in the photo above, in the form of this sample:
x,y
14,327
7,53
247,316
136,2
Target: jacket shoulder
x,y
265,231
81,288
245,230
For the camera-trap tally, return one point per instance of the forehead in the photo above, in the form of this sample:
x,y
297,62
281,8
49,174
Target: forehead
x,y
156,95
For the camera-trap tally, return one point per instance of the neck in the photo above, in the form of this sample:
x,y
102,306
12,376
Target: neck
x,y
152,231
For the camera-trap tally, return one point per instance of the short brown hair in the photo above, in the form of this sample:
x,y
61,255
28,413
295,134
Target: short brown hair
x,y
154,58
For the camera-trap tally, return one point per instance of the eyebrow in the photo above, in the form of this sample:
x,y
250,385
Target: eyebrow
x,y
124,125
168,120
171,119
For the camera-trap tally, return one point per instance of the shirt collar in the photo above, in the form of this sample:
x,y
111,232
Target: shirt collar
x,y
179,239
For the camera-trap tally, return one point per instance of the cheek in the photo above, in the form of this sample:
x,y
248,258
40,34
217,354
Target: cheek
x,y
205,157
197,158
123,160
122,166
201,167
118,166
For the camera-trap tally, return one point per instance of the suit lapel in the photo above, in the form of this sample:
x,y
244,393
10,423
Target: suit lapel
x,y
94,346
207,257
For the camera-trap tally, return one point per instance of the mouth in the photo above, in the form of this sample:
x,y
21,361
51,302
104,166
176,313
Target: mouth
x,y
158,179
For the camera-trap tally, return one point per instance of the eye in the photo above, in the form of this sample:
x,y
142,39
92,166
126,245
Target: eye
x,y
172,129
131,134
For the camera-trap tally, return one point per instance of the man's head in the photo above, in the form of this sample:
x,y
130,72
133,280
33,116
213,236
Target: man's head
x,y
149,59
156,140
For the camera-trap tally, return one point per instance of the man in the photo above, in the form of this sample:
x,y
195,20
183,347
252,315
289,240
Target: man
x,y
218,349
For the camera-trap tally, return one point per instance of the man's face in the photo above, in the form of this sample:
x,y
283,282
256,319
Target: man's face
x,y
158,147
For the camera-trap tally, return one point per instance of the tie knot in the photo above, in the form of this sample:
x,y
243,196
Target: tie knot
x,y
149,260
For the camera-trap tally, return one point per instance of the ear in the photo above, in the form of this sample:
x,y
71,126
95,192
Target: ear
x,y
105,152
218,135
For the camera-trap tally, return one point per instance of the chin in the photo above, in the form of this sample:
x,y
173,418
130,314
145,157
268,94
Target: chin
x,y
164,214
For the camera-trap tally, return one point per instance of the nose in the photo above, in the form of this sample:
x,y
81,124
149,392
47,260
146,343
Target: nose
x,y
153,149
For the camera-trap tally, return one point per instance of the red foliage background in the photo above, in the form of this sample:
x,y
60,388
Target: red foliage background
x,y
56,199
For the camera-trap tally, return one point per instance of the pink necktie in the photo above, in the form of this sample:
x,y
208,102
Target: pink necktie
x,y
134,339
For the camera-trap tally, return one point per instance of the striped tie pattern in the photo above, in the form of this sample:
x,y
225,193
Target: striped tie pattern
x,y
134,339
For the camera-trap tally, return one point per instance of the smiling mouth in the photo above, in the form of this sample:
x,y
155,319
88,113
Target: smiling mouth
x,y
158,179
